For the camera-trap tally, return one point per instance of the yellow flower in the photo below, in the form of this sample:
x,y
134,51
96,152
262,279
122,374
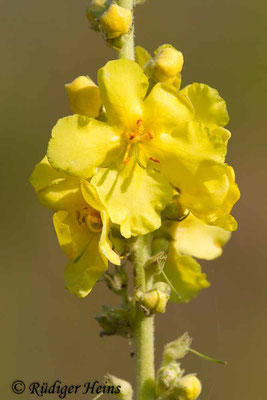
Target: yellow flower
x,y
116,21
81,224
84,97
150,143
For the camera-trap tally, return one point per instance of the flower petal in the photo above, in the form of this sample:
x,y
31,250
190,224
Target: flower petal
x,y
210,108
205,192
80,276
92,198
56,190
73,236
185,275
105,246
191,158
132,197
141,56
80,144
195,238
123,86
187,143
164,108
220,217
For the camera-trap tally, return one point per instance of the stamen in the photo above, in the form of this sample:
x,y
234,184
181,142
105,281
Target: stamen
x,y
89,223
91,218
154,159
140,126
150,135
139,135
126,156
137,158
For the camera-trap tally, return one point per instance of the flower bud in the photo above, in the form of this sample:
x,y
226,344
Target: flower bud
x,y
153,301
190,387
167,376
116,21
84,97
125,388
165,65
94,11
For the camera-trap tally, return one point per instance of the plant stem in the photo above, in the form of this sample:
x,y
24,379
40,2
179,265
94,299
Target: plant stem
x,y
141,250
144,326
127,50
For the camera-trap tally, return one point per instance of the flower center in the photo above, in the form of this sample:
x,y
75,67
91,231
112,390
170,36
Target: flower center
x,y
139,135
91,218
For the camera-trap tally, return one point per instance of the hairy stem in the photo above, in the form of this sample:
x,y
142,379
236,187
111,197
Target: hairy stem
x,y
127,50
141,250
144,326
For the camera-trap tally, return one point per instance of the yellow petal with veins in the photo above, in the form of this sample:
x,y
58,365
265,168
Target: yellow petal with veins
x,y
123,86
132,197
195,238
56,190
79,145
80,276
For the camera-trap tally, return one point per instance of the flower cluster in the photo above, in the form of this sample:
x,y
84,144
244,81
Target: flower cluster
x,y
140,156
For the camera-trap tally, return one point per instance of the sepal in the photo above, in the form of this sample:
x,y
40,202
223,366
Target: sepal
x,y
94,11
115,322
118,281
177,349
167,376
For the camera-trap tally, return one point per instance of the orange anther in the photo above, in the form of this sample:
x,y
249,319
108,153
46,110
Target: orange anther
x,y
154,159
150,135
132,135
126,160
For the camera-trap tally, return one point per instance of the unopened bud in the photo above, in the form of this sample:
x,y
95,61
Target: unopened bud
x,y
167,376
190,388
94,11
122,388
84,97
165,65
153,301
116,21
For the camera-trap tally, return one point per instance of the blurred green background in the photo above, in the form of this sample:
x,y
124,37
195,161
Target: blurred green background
x,y
46,333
